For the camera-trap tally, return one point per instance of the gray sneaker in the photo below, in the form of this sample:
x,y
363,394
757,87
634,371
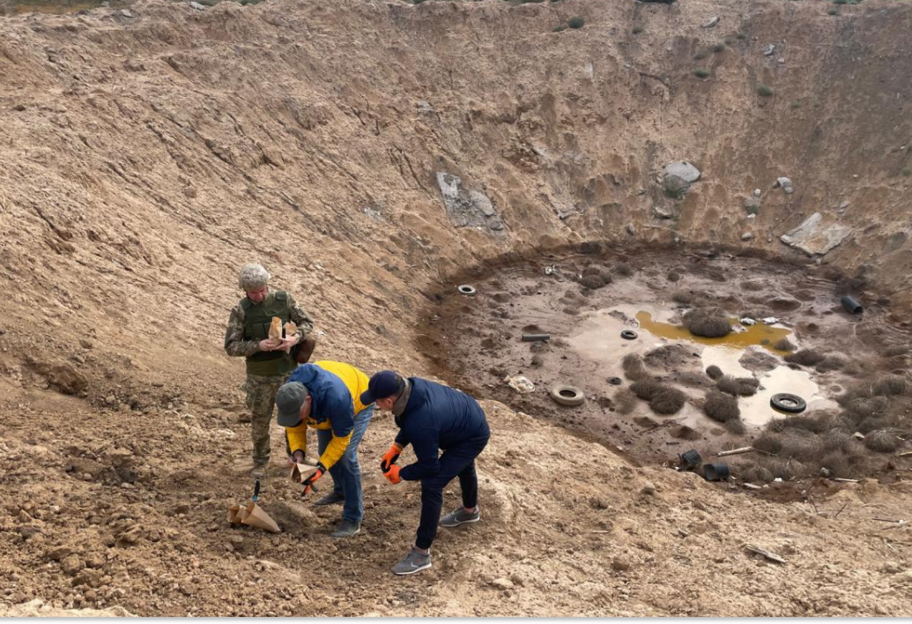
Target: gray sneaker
x,y
330,499
460,516
413,562
346,528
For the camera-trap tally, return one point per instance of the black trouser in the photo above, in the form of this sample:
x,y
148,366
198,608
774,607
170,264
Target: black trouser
x,y
456,461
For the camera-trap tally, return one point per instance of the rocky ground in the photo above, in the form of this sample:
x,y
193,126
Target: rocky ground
x,y
373,155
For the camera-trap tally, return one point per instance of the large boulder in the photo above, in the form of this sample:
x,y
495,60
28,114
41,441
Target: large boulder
x,y
683,170
467,208
813,239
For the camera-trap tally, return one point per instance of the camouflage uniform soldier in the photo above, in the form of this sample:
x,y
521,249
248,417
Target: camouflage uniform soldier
x,y
269,361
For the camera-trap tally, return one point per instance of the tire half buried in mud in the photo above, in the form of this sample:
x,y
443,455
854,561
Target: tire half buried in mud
x,y
788,403
568,396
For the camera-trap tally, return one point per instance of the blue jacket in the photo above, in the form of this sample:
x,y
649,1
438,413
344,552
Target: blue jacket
x,y
331,399
437,417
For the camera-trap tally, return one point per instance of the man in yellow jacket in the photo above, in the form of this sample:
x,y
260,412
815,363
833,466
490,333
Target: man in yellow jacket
x,y
326,396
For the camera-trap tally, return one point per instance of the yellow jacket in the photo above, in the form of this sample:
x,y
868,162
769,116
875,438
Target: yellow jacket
x,y
335,389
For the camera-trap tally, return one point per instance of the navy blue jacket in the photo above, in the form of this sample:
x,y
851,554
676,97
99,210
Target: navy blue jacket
x,y
437,417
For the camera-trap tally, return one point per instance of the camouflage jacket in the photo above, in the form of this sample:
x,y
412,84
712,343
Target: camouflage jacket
x,y
236,344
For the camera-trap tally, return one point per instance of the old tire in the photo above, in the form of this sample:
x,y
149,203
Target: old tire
x,y
629,334
569,396
468,291
788,403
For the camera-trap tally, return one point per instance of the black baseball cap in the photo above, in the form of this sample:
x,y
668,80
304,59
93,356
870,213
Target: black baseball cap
x,y
382,385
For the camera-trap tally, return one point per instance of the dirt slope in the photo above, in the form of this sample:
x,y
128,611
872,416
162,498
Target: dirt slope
x,y
145,155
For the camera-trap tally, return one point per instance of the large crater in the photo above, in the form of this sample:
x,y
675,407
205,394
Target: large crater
x,y
791,334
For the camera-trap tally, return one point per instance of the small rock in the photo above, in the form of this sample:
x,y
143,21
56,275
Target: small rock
x,y
752,205
24,516
72,564
517,580
90,595
662,212
126,13
843,207
711,23
648,488
631,230
59,553
747,236
502,583
769,50
891,567
756,192
620,565
781,61
85,344
197,6
785,184
95,561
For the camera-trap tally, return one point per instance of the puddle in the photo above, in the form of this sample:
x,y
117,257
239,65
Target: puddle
x,y
599,340
761,335
727,359
756,410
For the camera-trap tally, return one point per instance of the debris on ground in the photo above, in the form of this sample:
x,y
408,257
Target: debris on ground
x,y
520,383
765,553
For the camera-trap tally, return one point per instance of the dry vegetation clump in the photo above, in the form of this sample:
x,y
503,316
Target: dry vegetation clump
x,y
738,386
784,468
646,389
623,269
595,277
693,379
801,445
714,372
735,426
805,357
882,440
895,350
845,465
634,369
768,443
831,363
785,345
721,407
805,423
625,401
707,322
755,473
862,409
667,401
673,276
838,440
751,286
894,385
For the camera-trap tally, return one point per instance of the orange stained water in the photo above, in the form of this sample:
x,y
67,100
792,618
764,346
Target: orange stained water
x,y
759,334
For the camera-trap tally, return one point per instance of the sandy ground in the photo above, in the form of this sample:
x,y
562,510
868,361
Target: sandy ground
x,y
146,155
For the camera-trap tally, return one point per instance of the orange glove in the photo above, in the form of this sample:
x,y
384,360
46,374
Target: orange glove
x,y
309,481
390,457
392,475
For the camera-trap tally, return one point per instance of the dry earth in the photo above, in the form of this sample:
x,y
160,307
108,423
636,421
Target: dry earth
x,y
145,155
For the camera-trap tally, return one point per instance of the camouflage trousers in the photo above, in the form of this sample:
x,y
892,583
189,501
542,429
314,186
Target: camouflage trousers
x,y
261,394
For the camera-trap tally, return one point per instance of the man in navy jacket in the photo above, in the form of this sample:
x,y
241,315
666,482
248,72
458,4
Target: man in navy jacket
x,y
432,418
